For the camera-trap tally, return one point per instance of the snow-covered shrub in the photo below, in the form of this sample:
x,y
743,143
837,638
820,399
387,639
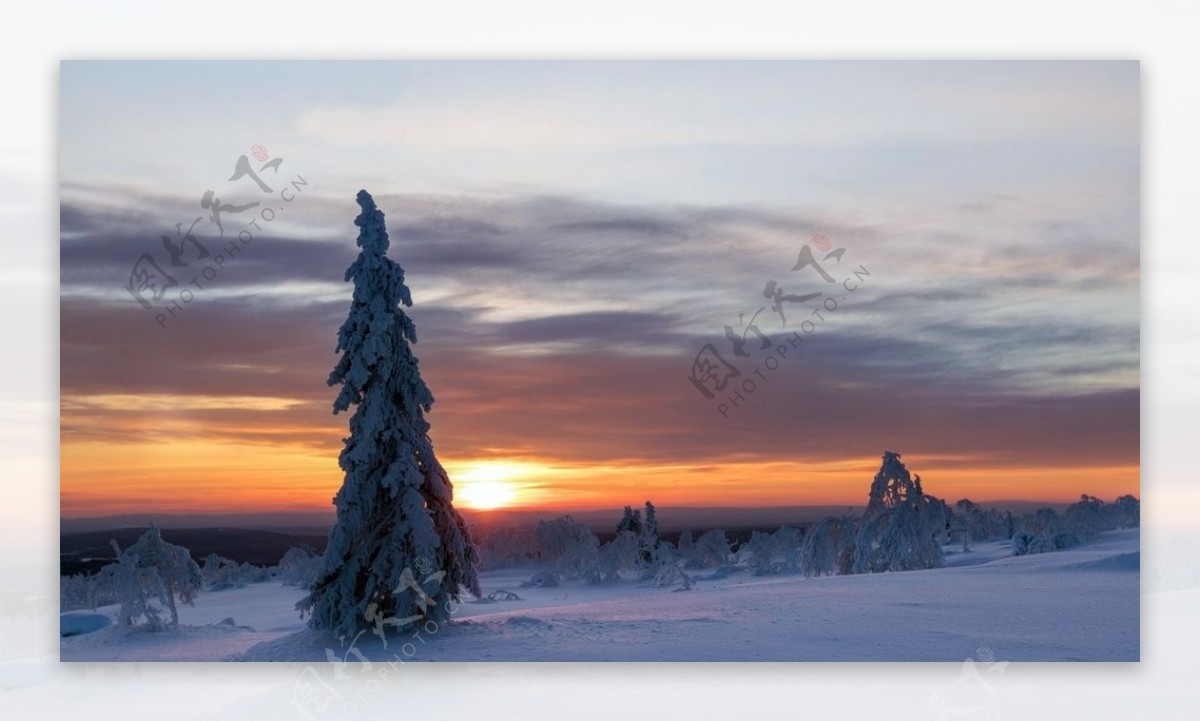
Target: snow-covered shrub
x,y
507,547
1036,532
220,573
786,544
828,547
151,569
618,555
670,574
776,553
570,546
1021,542
711,549
972,523
1045,530
759,553
299,566
252,573
902,527
1024,542
1086,517
687,542
75,592
1125,512
1064,540
1042,523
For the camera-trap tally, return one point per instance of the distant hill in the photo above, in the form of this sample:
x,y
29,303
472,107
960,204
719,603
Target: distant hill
x,y
88,551
302,522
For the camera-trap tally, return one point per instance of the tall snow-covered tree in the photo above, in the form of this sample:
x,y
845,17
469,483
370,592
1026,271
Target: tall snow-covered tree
x,y
902,527
649,540
396,523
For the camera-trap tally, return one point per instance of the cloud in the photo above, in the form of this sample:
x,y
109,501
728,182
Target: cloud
x,y
554,326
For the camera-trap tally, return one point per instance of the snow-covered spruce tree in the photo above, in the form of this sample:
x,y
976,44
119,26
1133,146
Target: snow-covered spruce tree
x,y
649,541
631,520
395,519
902,527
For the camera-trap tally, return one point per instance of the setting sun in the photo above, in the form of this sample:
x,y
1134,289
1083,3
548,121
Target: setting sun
x,y
488,484
486,495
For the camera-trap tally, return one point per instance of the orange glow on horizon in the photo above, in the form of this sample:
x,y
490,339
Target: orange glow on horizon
x,y
100,478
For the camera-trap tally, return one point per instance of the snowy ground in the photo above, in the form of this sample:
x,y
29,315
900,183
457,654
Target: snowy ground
x,y
1075,605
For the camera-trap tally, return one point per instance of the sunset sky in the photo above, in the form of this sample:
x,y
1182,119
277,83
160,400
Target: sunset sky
x,y
573,234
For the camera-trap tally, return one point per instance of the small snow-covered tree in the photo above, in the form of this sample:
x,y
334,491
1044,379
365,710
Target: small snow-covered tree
x,y
631,520
151,569
395,516
828,547
1041,524
299,566
1125,512
1037,531
786,544
507,547
569,545
670,574
969,522
76,591
219,572
618,555
1086,517
649,540
902,527
759,553
712,549
687,542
